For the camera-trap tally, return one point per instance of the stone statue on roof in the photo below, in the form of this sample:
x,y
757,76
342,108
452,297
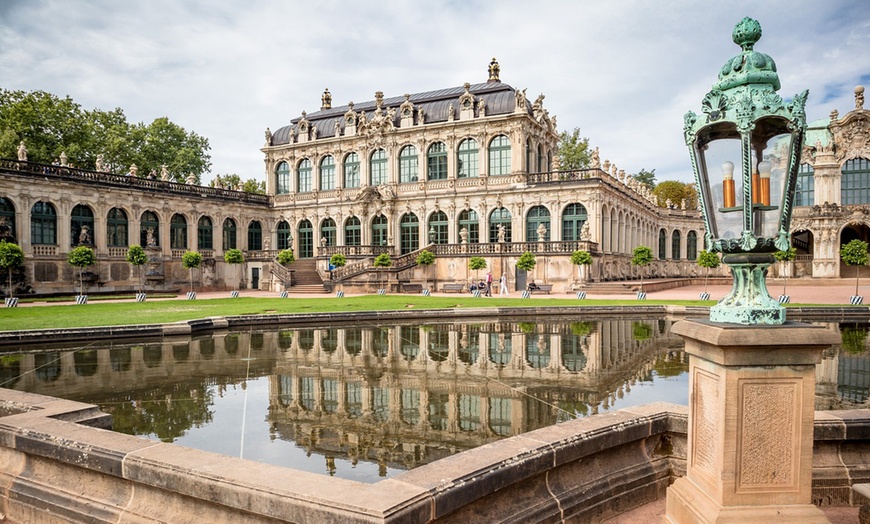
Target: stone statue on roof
x,y
494,69
521,98
859,98
99,165
268,137
326,100
22,152
164,173
595,159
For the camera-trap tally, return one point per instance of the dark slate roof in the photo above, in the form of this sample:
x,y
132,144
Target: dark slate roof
x,y
499,99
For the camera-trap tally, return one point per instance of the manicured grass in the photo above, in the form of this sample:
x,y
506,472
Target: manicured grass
x,y
156,312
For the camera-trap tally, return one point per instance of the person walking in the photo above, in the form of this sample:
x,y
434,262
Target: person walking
x,y
489,283
502,288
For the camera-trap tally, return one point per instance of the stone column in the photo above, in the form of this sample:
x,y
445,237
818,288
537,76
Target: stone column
x,y
750,433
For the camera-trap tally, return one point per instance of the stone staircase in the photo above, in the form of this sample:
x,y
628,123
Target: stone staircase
x,y
307,280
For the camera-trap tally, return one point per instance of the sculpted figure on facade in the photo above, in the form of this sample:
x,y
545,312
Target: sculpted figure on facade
x,y
584,231
134,171
421,117
463,235
85,236
502,233
22,152
336,128
268,137
481,107
859,98
606,166
150,241
494,70
63,159
164,173
326,100
191,179
521,98
542,232
99,165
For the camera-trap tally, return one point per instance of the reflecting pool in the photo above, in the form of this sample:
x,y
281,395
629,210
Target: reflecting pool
x,y
369,401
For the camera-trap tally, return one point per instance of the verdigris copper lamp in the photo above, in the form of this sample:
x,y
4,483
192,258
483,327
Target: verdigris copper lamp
x,y
749,132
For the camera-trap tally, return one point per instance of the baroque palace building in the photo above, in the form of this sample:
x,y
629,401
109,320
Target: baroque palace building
x,y
465,171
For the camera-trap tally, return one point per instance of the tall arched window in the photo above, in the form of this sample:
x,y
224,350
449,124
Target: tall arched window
x,y
116,228
283,229
663,243
804,194
573,219
230,235
204,233
352,232
178,232
327,231
255,236
500,156
467,163
306,239
327,173
468,220
409,233
438,224
378,167
351,170
379,231
855,183
81,226
408,168
691,246
500,217
303,176
282,178
436,161
538,216
7,220
676,241
43,223
149,229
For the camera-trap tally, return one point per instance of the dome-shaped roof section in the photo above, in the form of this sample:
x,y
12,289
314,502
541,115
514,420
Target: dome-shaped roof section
x,y
501,103
282,136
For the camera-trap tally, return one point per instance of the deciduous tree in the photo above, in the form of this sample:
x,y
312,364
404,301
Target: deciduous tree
x,y
573,150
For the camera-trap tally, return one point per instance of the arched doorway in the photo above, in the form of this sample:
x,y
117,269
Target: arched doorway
x,y
306,239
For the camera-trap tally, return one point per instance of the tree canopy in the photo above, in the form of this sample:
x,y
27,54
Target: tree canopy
x,y
647,178
676,191
234,181
49,125
573,150
527,261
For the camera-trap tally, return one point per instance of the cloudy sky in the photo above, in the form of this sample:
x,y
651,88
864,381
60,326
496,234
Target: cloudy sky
x,y
623,71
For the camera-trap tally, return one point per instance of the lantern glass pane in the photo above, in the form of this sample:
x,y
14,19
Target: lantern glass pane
x,y
729,218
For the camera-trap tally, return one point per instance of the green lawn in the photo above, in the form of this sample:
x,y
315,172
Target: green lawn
x,y
156,312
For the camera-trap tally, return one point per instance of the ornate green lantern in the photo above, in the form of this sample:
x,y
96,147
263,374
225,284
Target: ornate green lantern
x,y
755,137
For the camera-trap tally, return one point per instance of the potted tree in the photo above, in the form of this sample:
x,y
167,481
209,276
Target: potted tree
x,y
235,257
136,257
708,260
383,261
526,262
784,257
476,263
642,256
426,258
81,257
191,260
582,258
338,260
855,254
11,257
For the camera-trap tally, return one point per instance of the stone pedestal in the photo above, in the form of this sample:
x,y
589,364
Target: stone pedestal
x,y
751,394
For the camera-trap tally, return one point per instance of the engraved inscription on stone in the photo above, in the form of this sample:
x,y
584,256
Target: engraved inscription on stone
x,y
767,438
706,419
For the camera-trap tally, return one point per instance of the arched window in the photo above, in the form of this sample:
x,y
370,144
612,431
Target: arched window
x,y
663,242
379,231
81,226
538,216
230,240
409,233
676,240
573,357
467,163
327,173
855,183
500,217
306,239
178,232
352,232
116,228
500,348
43,223
573,219
284,237
804,194
351,170
327,231
282,178
204,233
408,168
500,416
255,236
149,229
303,176
500,156
691,246
541,159
436,161
538,350
378,165
7,220
468,220
438,225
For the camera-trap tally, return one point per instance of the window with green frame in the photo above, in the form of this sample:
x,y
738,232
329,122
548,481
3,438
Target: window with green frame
x,y
663,243
409,233
204,233
351,170
178,232
283,230
303,176
855,182
327,231
691,246
500,217
436,161
7,220
438,224
379,231
116,228
43,223
352,232
282,178
467,163
573,356
149,222
255,236
230,240
537,215
804,194
538,350
500,348
573,219
81,217
408,164
468,219
500,156
378,165
676,244
327,173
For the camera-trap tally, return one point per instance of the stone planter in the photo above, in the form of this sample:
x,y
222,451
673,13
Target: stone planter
x,y
140,297
856,300
12,302
234,294
191,295
81,300
581,295
704,296
641,295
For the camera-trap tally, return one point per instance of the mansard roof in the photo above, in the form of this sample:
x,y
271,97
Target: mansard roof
x,y
499,99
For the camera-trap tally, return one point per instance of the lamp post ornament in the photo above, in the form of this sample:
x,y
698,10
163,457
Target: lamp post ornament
x,y
756,136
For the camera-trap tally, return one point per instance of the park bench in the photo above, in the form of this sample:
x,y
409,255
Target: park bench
x,y
452,288
543,289
412,288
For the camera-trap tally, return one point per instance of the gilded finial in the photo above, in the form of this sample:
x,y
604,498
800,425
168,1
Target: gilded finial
x,y
493,71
